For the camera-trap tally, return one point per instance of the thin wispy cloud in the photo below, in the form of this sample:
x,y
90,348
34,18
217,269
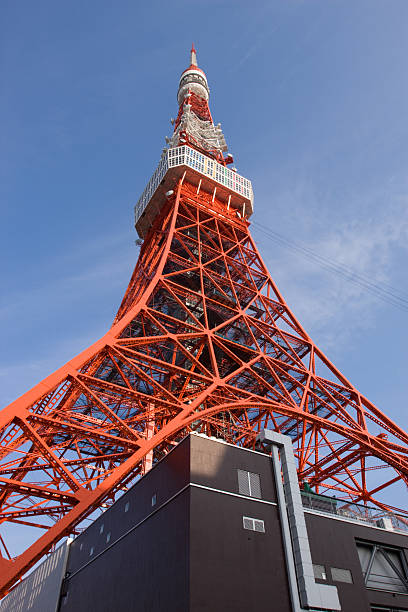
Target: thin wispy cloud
x,y
333,309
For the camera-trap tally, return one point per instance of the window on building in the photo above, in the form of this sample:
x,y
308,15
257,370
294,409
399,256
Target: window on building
x,y
384,567
253,524
154,499
127,506
249,484
341,575
319,572
108,537
91,551
101,528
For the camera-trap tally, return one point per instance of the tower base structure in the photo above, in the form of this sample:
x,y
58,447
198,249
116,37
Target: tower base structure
x,y
217,527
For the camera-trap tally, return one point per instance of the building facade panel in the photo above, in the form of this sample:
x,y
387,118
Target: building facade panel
x,y
334,544
237,569
215,464
146,569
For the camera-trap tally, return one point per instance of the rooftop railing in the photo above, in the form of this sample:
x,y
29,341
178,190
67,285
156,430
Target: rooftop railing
x,y
375,517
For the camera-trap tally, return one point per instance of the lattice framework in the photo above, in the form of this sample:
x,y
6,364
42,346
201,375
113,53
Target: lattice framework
x,y
203,341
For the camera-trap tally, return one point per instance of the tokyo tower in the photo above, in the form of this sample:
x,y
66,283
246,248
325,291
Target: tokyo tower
x,y
203,341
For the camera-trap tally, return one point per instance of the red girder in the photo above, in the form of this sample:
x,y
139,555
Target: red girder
x,y
203,341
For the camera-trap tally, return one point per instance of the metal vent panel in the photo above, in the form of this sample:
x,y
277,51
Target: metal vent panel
x,y
319,572
248,523
255,485
341,575
253,524
249,484
259,526
243,483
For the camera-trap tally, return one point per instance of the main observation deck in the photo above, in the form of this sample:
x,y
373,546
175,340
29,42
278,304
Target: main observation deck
x,y
209,175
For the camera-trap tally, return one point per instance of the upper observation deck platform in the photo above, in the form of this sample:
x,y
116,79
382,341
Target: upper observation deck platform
x,y
201,170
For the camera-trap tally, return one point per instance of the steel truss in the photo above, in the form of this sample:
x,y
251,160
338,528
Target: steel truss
x,y
203,341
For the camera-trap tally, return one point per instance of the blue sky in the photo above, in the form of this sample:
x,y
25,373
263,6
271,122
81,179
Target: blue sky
x,y
312,97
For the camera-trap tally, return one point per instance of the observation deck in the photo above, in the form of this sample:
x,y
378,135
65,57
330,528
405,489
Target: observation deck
x,y
202,171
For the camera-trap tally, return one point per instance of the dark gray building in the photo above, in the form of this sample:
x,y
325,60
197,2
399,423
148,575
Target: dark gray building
x,y
214,527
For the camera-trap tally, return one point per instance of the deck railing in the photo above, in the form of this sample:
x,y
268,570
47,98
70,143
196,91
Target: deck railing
x,y
357,512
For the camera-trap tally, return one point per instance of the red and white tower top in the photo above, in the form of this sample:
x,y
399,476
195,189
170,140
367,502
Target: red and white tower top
x,y
194,124
193,79
196,148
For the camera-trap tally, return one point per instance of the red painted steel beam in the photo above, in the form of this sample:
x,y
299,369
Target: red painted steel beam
x,y
203,341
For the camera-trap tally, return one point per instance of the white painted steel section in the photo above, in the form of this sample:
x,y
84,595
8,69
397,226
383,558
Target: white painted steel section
x,y
151,187
194,80
204,133
295,537
186,156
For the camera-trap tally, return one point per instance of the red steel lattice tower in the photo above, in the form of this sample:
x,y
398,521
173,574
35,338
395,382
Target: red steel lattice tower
x,y
203,341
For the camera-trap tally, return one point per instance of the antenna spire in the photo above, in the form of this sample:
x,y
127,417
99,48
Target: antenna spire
x,y
193,52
